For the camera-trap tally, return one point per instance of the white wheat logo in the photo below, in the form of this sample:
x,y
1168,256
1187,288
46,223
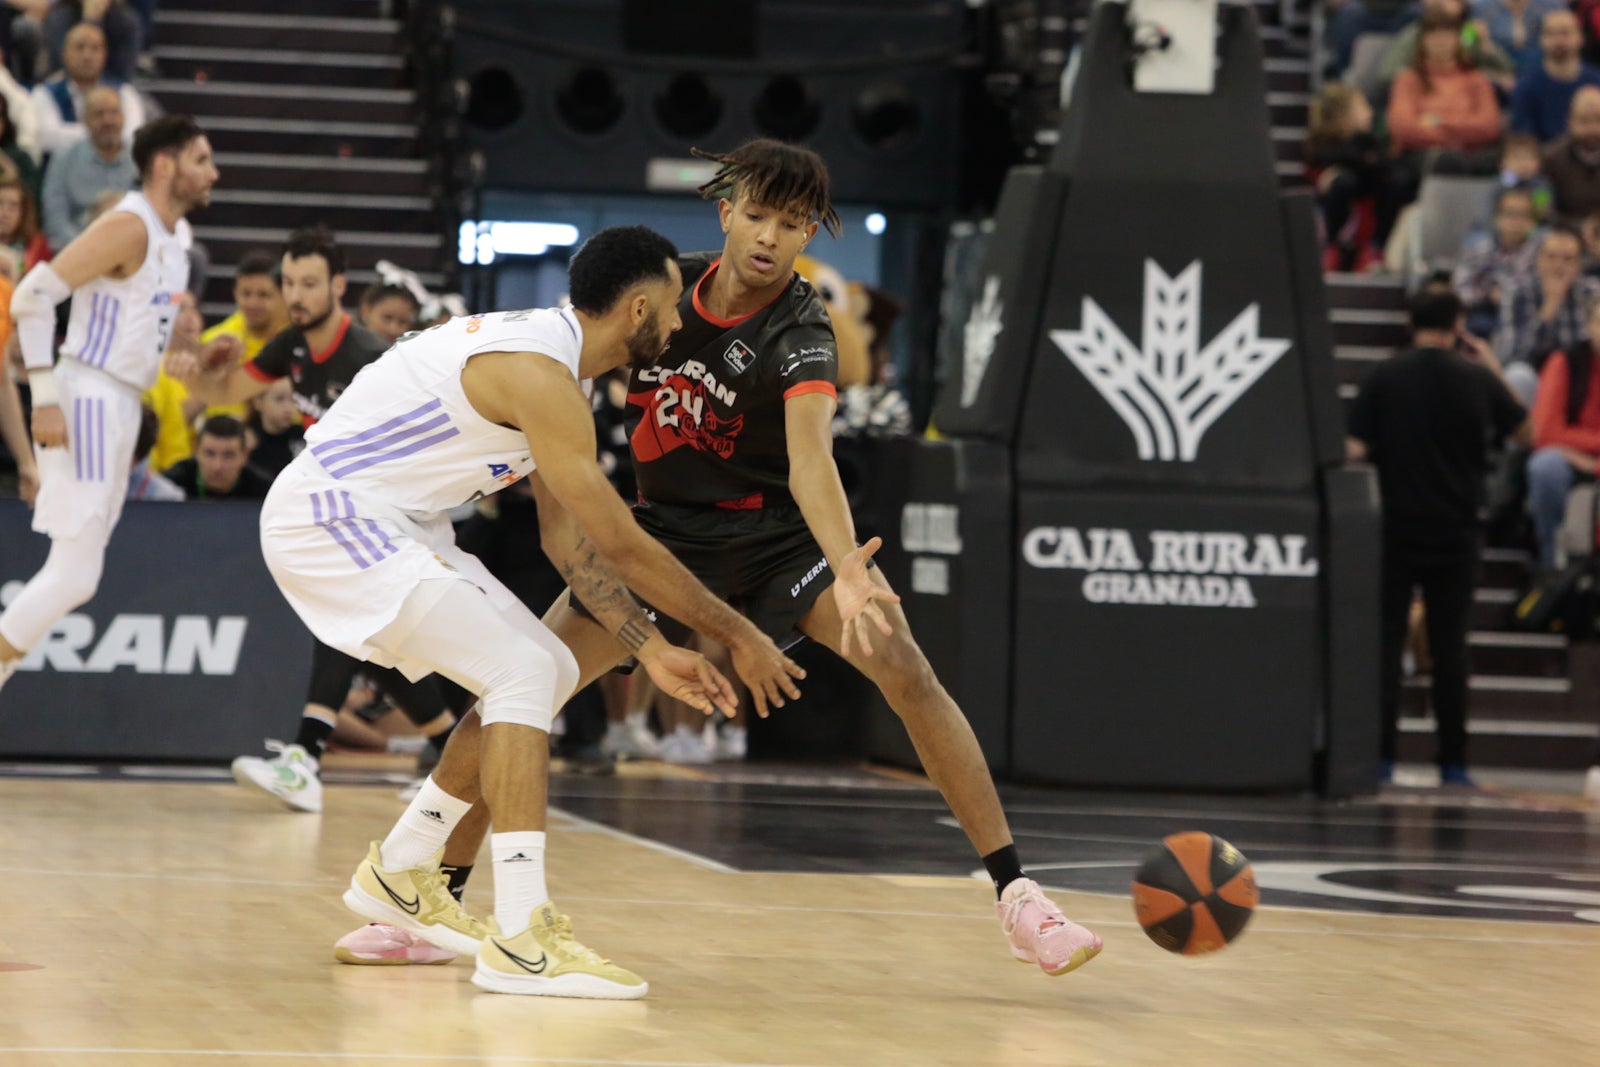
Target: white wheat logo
x,y
1172,390
978,338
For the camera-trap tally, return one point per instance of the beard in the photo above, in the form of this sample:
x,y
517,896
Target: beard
x,y
645,345
310,320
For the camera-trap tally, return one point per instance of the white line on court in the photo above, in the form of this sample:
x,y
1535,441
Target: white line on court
x,y
588,825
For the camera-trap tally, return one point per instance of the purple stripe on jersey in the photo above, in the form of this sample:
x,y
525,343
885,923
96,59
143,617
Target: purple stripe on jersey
x,y
90,443
97,335
411,449
377,531
99,440
382,428
333,531
348,521
93,332
77,438
110,331
344,455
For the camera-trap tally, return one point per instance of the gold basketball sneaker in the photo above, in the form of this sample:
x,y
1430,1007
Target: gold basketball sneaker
x,y
416,899
545,960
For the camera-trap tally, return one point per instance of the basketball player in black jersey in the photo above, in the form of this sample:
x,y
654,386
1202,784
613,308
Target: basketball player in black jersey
x,y
321,352
732,441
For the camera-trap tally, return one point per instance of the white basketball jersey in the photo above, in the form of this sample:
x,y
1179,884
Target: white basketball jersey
x,y
121,325
404,434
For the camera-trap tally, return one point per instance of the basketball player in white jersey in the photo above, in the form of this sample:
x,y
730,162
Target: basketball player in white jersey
x,y
356,535
127,274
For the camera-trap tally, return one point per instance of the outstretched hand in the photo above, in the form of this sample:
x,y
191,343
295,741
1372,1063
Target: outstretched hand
x,y
688,676
857,597
765,670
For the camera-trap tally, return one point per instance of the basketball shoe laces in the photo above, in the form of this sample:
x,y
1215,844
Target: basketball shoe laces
x,y
441,900
1052,918
572,946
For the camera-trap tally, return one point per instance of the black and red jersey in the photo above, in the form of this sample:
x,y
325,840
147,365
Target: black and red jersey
x,y
319,377
706,425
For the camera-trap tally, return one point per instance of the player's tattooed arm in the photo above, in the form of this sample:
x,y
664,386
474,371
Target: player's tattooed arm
x,y
597,587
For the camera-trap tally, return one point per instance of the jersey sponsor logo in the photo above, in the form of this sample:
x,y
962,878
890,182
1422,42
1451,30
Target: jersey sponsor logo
x,y
738,356
678,414
502,473
1170,390
811,576
190,644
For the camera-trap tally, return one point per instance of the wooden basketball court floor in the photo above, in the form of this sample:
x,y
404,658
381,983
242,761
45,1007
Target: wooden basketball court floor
x,y
799,918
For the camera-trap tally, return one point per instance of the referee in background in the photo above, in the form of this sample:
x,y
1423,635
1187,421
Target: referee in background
x,y
1427,419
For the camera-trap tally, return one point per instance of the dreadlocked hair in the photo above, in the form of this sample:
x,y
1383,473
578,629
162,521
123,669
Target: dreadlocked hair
x,y
783,176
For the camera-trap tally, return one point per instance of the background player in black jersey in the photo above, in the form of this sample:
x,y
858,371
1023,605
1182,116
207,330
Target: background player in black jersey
x,y
731,434
321,352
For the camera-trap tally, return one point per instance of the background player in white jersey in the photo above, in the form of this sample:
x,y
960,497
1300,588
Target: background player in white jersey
x,y
355,533
127,274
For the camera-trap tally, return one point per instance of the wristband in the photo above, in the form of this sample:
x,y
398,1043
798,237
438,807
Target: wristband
x,y
42,388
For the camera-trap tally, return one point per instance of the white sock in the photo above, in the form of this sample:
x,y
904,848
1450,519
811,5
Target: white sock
x,y
422,830
639,720
518,878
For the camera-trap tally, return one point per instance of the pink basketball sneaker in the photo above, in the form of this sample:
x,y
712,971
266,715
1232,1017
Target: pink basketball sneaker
x,y
1039,933
382,945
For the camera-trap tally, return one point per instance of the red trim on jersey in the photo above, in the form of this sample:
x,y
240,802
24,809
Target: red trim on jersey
x,y
726,324
333,345
257,373
811,387
753,502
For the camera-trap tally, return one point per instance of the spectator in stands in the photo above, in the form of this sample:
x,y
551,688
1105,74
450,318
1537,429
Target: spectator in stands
x,y
22,38
1546,313
1542,100
1351,165
60,101
1440,106
19,135
1572,164
1424,419
80,174
1514,26
217,470
120,29
20,236
1349,19
258,316
1566,435
1496,260
1480,51
277,431
389,310
143,483
1522,167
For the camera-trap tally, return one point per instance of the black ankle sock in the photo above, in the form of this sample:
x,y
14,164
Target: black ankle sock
x,y
438,740
1003,866
313,736
457,877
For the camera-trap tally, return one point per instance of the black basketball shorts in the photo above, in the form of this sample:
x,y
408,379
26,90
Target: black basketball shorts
x,y
763,562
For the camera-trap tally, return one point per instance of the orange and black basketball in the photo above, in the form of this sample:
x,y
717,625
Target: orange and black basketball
x,y
1195,894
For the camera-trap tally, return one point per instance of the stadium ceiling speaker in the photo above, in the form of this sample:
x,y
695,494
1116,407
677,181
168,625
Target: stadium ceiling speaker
x,y
885,114
786,110
688,106
590,102
494,100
